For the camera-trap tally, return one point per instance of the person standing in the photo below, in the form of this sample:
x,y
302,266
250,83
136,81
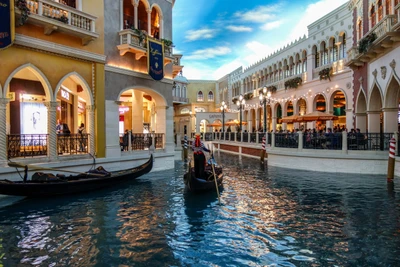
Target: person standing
x,y
199,158
81,132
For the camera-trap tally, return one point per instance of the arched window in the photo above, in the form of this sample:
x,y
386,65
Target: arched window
x,y
373,16
334,51
387,7
200,96
324,52
210,96
380,10
184,92
178,92
304,58
359,30
129,19
316,60
342,53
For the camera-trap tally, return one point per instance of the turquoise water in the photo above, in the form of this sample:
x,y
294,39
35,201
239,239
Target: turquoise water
x,y
267,217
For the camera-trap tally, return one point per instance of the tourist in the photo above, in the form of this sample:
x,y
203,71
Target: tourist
x,y
199,158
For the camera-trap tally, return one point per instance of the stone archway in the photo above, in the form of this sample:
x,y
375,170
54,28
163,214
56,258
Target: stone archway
x,y
361,112
375,124
391,106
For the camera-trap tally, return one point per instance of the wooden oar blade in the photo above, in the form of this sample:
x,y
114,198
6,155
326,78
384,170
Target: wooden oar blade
x,y
16,165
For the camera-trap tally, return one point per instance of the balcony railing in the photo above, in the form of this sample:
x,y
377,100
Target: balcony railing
x,y
385,31
180,99
26,145
58,17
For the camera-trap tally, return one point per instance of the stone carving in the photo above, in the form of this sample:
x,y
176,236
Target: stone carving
x,y
383,72
393,64
375,72
348,85
360,80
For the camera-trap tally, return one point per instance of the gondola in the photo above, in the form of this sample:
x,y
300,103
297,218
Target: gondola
x,y
202,184
46,184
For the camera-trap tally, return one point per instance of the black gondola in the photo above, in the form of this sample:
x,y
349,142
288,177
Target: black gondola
x,y
201,184
45,184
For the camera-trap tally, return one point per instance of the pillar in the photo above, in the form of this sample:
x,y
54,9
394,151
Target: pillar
x,y
389,117
148,21
137,112
3,130
135,14
373,121
90,128
51,129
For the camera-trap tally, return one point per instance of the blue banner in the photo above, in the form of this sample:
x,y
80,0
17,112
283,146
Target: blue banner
x,y
155,59
6,23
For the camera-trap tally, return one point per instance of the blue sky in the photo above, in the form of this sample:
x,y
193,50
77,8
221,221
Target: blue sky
x,y
217,36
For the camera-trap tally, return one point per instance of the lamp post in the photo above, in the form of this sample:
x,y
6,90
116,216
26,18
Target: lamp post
x,y
223,107
240,103
265,99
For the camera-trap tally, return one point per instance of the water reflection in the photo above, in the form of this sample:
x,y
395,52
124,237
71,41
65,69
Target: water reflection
x,y
267,217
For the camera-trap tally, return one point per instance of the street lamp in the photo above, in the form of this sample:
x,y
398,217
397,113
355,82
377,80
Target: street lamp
x,y
240,103
265,99
223,107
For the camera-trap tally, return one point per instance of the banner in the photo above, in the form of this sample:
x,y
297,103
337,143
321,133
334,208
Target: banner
x,y
155,59
6,23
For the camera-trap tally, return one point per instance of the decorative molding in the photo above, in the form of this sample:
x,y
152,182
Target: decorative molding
x,y
375,72
64,50
393,64
383,72
348,85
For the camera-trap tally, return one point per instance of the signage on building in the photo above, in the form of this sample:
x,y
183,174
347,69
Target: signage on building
x,y
6,23
155,59
64,94
122,110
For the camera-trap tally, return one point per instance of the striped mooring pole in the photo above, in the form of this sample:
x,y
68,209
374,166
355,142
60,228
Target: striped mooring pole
x,y
262,156
392,152
185,148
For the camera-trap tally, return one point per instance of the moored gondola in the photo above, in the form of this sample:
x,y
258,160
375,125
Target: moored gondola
x,y
206,183
46,184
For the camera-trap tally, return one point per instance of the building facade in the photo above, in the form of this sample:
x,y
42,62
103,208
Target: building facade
x,y
374,58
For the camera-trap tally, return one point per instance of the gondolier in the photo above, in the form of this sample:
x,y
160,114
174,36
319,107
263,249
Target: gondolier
x,y
199,158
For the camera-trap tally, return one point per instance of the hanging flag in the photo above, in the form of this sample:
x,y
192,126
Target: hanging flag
x,y
6,23
155,59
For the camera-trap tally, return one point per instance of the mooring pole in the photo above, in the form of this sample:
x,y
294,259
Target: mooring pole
x,y
392,149
185,148
262,156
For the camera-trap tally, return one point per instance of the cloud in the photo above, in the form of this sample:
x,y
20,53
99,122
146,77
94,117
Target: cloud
x,y
313,13
193,35
239,28
255,51
209,53
271,25
259,14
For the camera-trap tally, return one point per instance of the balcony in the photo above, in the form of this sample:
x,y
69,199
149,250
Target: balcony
x,y
53,16
337,67
133,42
181,100
386,37
177,68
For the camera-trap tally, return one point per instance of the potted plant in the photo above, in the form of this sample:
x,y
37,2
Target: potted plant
x,y
248,96
25,12
141,35
293,83
325,74
365,43
167,42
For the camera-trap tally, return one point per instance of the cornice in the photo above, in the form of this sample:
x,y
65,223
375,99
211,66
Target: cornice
x,y
133,73
58,49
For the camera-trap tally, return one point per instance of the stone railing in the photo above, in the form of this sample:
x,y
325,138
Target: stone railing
x,y
62,13
130,37
352,53
180,99
383,27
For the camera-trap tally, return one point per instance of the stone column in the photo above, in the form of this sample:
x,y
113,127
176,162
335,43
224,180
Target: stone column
x,y
373,121
90,129
3,130
344,141
389,116
51,129
148,21
300,144
135,14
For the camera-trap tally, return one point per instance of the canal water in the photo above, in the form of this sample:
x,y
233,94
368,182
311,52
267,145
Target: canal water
x,y
267,217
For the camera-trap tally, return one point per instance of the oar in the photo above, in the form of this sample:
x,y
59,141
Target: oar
x,y
37,168
215,177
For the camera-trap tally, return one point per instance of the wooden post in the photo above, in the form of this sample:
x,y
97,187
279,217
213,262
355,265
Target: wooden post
x,y
392,149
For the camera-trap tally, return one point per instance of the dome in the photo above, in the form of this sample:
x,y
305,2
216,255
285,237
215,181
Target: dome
x,y
180,79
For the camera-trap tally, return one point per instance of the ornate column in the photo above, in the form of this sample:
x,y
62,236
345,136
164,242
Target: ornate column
x,y
51,129
91,128
148,21
3,130
135,14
